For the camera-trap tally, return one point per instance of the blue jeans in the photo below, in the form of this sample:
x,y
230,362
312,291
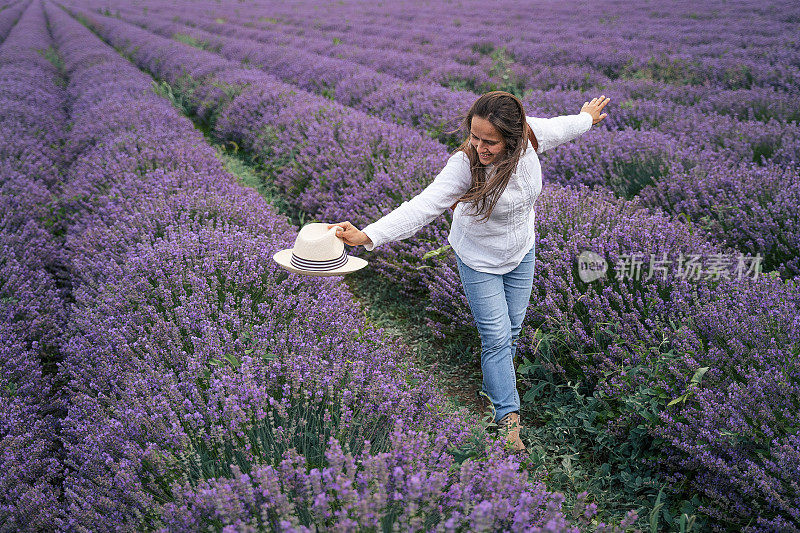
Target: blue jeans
x,y
498,303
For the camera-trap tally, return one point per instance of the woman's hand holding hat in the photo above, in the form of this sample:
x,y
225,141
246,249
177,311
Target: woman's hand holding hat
x,y
318,252
350,234
594,107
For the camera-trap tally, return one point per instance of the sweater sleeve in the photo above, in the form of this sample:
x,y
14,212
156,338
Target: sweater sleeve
x,y
448,186
550,132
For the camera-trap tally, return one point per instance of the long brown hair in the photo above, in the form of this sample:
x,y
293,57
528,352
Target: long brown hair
x,y
505,112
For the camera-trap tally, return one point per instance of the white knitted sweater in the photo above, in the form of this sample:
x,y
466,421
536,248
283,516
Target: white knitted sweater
x,y
496,245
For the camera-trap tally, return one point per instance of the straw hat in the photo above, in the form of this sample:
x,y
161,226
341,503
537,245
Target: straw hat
x,y
318,252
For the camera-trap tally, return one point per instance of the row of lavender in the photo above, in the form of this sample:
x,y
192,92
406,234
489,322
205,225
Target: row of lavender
x,y
434,68
207,386
465,49
364,44
33,300
724,138
421,105
9,15
339,76
608,41
687,168
692,315
758,103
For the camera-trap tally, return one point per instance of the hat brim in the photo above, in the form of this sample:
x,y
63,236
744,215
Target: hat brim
x,y
284,259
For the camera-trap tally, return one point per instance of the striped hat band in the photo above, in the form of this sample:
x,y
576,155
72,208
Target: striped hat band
x,y
318,266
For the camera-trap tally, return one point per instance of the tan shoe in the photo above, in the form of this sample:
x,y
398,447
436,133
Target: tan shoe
x,y
510,426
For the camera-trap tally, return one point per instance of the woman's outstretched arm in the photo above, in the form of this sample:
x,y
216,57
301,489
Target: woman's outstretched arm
x,y
403,222
551,132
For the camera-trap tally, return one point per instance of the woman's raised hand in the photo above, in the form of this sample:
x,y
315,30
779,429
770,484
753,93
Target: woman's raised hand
x,y
350,234
594,107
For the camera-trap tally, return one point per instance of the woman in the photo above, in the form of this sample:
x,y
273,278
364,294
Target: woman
x,y
492,182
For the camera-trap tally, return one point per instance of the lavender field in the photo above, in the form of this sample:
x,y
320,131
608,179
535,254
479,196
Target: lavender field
x,y
160,372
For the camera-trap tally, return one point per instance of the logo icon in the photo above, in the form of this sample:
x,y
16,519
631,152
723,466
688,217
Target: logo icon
x,y
591,266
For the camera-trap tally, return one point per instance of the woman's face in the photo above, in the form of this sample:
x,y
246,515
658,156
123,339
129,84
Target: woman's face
x,y
486,140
